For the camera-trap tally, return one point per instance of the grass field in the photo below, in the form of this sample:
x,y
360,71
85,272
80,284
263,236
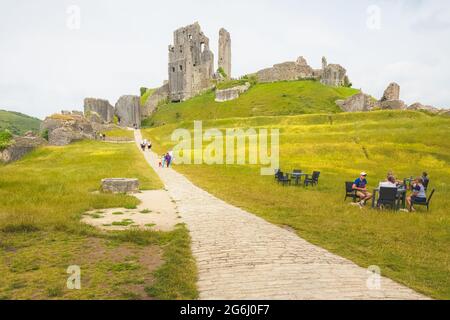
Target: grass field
x,y
412,249
119,133
18,123
43,198
265,99
146,95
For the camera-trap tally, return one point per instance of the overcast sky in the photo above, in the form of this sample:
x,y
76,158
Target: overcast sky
x,y
50,60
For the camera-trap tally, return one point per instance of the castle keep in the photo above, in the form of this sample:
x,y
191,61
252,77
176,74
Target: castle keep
x,y
191,63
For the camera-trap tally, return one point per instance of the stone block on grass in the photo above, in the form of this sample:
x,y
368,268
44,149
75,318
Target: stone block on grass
x,y
120,185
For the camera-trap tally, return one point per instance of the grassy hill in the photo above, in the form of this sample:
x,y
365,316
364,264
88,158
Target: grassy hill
x,y
409,248
18,123
264,99
43,198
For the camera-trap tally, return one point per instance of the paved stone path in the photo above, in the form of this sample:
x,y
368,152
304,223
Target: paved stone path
x,y
241,256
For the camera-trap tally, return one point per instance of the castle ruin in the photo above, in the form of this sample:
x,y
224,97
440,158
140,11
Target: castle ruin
x,y
333,74
330,74
225,52
191,63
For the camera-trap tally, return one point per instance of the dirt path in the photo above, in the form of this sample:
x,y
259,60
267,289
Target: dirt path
x,y
241,256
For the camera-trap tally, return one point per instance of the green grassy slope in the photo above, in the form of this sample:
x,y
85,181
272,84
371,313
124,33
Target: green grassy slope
x,y
265,99
43,197
18,123
148,93
413,249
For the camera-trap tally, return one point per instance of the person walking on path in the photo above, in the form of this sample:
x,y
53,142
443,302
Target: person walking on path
x,y
163,160
168,159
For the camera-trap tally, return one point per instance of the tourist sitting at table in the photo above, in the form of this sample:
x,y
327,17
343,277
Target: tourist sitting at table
x,y
418,195
360,185
397,182
389,183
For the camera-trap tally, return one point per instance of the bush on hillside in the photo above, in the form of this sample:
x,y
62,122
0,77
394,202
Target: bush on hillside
x,y
143,90
5,139
44,134
222,72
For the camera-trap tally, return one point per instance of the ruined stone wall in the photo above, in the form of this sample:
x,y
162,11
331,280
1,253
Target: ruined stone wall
x,y
357,103
101,107
392,92
161,94
19,147
231,93
63,129
225,52
333,75
191,63
287,71
128,111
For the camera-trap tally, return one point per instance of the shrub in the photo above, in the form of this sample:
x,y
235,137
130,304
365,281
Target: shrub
x,y
5,139
44,134
143,90
222,72
21,227
347,82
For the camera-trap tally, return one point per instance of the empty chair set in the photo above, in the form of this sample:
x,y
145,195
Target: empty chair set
x,y
296,178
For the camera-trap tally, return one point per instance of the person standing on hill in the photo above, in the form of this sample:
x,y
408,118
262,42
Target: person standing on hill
x,y
360,185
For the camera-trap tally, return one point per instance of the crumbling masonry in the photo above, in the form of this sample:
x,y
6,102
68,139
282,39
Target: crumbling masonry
x,y
225,52
191,63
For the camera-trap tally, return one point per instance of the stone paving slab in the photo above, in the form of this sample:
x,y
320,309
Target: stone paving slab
x,y
241,256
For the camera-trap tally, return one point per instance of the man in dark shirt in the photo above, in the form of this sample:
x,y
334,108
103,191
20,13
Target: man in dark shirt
x,y
360,185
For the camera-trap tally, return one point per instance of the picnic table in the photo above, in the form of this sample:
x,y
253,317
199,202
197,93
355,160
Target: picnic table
x,y
401,196
297,176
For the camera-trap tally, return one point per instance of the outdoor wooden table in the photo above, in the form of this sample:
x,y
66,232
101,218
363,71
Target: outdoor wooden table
x,y
401,196
298,177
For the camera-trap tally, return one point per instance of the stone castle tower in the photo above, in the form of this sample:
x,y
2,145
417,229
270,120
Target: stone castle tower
x,y
191,63
225,52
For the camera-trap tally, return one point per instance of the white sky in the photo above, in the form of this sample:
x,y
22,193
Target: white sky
x,y
45,66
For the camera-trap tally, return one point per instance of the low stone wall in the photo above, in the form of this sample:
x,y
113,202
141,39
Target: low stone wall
x,y
120,185
286,71
20,147
232,93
